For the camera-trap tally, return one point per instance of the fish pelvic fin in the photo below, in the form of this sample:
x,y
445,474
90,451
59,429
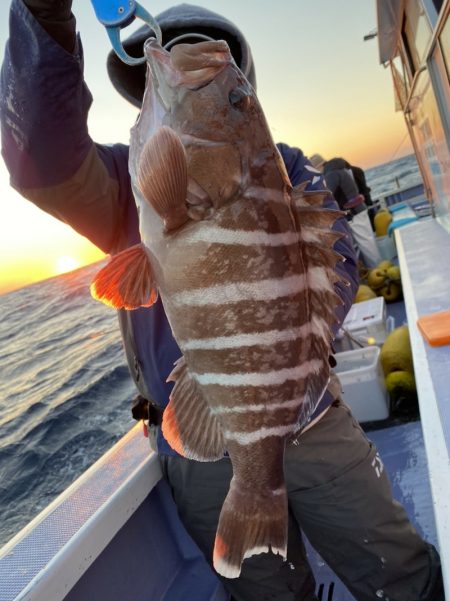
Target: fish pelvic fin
x,y
189,425
250,523
127,281
162,177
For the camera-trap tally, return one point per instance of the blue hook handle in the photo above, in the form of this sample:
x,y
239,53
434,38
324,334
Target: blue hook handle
x,y
117,14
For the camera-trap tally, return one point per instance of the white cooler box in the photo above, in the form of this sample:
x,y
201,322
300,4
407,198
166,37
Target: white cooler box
x,y
363,384
365,324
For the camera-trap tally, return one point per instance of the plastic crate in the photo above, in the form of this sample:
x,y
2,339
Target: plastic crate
x,y
362,381
366,324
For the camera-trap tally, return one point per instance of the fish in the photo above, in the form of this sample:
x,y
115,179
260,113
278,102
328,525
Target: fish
x,y
245,267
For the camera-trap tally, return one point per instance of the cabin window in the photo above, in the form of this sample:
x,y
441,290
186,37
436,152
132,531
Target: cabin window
x,y
401,83
432,8
429,133
444,42
416,34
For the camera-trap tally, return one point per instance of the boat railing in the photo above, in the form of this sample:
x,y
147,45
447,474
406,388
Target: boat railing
x,y
423,248
113,532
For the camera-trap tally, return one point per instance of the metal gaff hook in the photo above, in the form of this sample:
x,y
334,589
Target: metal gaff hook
x,y
114,15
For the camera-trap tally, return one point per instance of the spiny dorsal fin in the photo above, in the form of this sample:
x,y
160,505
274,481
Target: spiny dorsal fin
x,y
317,216
321,237
312,198
126,282
162,177
318,240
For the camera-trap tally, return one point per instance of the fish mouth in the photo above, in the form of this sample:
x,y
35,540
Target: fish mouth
x,y
188,65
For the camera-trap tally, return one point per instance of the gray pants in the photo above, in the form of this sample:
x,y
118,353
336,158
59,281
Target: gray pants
x,y
340,497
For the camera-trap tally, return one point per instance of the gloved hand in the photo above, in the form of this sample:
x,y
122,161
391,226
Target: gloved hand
x,y
57,19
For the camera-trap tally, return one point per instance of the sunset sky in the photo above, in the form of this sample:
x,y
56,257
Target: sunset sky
x,y
320,85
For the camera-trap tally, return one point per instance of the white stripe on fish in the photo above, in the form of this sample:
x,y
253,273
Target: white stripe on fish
x,y
245,438
219,235
261,379
318,327
269,289
257,407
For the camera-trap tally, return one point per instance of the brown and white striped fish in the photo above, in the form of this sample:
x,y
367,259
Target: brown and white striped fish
x,y
245,267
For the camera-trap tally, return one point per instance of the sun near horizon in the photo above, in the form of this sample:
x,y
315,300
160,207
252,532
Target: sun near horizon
x,y
19,276
65,264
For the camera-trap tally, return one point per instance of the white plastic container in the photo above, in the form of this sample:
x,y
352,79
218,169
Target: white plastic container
x,y
366,324
363,384
386,247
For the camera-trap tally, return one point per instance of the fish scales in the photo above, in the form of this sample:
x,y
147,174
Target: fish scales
x,y
245,269
221,321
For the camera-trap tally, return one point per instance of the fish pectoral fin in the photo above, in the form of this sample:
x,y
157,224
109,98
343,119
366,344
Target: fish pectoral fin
x,y
162,177
189,425
127,281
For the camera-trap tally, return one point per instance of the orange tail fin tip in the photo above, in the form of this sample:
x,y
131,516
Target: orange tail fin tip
x,y
249,524
126,282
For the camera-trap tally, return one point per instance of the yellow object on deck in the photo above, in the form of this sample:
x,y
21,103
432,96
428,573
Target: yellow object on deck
x,y
381,222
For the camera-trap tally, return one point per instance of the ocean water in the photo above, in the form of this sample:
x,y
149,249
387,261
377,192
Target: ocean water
x,y
65,390
386,178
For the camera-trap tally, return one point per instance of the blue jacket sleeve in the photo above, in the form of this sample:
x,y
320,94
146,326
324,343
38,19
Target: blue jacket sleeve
x,y
46,146
300,170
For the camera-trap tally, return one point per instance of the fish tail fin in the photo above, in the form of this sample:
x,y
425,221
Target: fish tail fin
x,y
250,523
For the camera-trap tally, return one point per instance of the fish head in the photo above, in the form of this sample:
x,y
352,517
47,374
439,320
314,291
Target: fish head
x,y
199,93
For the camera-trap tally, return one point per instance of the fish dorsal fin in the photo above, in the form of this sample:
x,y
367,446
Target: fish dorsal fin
x,y
162,177
316,222
127,281
318,238
188,424
312,198
317,241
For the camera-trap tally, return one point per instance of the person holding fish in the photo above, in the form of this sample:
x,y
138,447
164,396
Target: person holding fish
x,y
227,269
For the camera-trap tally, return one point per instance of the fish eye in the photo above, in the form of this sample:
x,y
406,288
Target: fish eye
x,y
239,99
